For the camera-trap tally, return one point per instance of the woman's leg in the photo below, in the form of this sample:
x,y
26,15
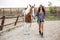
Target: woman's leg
x,y
39,28
42,23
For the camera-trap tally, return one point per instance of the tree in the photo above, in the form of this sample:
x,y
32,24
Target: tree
x,y
52,9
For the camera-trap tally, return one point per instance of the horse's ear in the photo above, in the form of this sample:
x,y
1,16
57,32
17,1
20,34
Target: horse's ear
x,y
29,5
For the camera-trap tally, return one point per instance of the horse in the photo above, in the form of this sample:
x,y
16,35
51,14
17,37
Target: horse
x,y
28,17
29,13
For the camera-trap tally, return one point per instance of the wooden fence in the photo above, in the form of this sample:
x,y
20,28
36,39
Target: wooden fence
x,y
8,13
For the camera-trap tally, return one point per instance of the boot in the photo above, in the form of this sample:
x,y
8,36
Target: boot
x,y
42,34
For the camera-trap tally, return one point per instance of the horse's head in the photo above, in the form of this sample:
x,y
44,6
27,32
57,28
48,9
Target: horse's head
x,y
30,9
31,6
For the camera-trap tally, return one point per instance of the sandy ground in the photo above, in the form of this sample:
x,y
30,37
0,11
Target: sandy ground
x,y
51,32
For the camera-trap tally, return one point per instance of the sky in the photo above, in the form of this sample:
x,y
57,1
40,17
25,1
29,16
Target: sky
x,y
24,3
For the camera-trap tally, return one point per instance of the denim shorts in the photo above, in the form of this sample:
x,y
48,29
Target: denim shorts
x,y
40,19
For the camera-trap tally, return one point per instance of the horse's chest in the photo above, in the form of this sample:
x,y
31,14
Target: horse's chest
x,y
28,18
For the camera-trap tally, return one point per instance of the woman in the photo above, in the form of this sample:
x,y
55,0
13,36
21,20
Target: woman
x,y
40,19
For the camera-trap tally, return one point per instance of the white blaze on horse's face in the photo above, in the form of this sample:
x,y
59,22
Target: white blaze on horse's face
x,y
33,10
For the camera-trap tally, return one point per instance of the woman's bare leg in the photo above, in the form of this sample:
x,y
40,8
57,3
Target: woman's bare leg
x,y
39,26
42,29
42,26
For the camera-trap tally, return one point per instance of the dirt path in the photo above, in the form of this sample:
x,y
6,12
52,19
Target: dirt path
x,y
51,32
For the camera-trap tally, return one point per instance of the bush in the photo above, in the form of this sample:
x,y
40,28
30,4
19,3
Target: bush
x,y
52,9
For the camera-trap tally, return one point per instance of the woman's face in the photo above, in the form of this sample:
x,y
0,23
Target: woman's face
x,y
40,7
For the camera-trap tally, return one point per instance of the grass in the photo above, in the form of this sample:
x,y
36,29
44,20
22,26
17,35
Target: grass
x,y
52,18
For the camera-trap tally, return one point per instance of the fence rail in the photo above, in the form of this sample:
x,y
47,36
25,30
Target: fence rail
x,y
3,21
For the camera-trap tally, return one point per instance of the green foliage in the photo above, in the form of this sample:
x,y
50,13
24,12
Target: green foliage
x,y
49,4
52,9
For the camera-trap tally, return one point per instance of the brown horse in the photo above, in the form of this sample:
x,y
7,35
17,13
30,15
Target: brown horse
x,y
29,13
28,18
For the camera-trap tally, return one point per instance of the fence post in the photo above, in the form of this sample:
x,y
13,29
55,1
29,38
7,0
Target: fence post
x,y
16,20
2,23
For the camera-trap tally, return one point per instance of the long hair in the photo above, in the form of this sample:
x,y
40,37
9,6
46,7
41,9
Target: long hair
x,y
42,9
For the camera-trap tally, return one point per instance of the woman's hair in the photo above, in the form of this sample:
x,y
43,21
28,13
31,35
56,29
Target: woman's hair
x,y
42,8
